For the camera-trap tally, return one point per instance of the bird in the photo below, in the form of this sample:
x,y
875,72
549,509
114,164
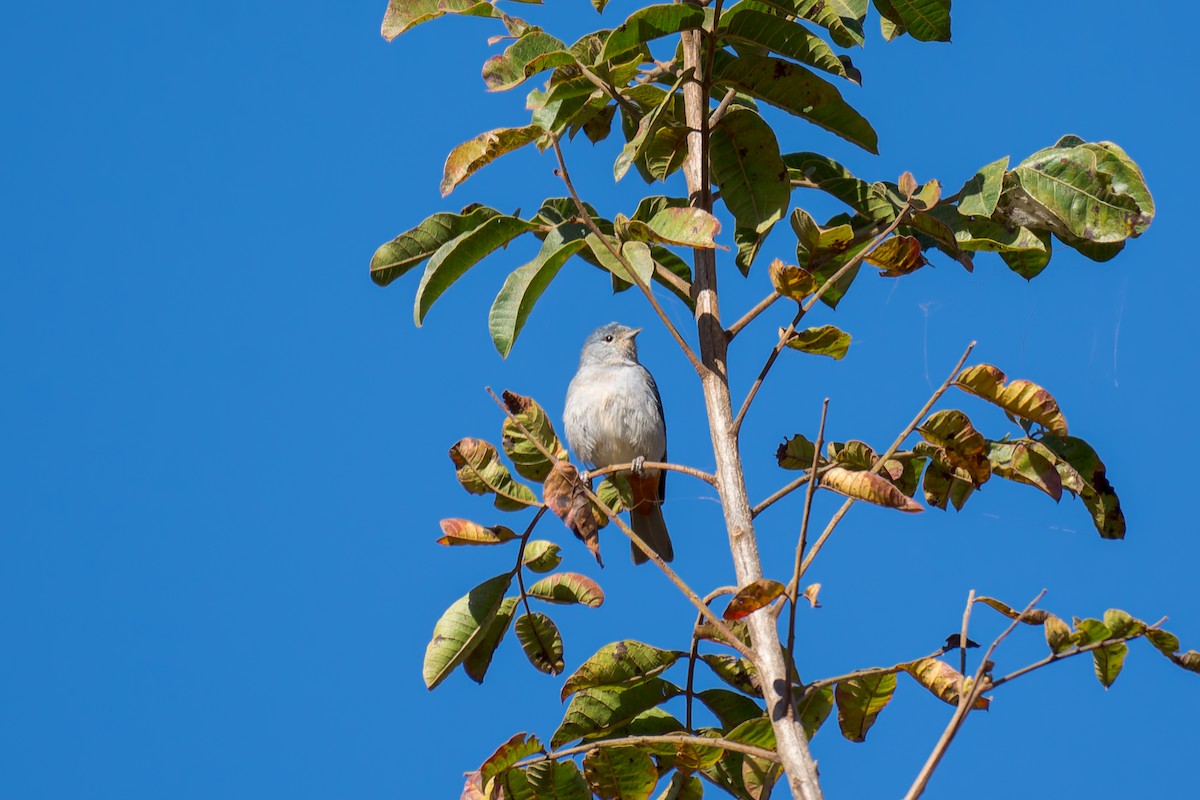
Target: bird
x,y
614,415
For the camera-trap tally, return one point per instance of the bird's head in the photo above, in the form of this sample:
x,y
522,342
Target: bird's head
x,y
611,344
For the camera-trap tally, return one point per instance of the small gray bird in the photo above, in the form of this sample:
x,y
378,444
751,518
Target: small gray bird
x,y
614,415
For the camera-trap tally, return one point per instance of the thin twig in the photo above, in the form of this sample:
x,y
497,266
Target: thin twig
x,y
788,489
1076,651
749,316
694,651
721,108
866,673
521,582
966,702
808,304
962,642
762,375
695,473
891,451
668,738
565,175
650,552
793,588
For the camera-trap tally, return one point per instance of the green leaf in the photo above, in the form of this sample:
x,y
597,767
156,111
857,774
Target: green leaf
x,y
814,709
603,708
525,285
868,199
1165,642
461,628
530,54
1098,494
1121,624
757,732
648,24
463,532
924,20
797,91
796,452
403,15
541,641
735,671
683,787
751,175
979,195
480,658
1108,661
461,253
1016,462
412,247
558,780
620,773
731,708
843,18
480,472
826,340
636,146
1067,182
515,749
485,148
524,451
618,663
685,227
666,151
568,587
542,555
746,24
859,701
1058,634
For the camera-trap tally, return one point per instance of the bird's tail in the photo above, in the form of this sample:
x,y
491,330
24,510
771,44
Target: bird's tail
x,y
648,523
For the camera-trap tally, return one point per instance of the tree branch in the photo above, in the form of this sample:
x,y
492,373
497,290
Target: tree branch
x,y
694,651
788,489
891,451
668,738
711,480
652,554
521,582
565,175
749,316
793,587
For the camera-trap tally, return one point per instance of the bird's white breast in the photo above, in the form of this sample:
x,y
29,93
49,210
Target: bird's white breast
x,y
612,416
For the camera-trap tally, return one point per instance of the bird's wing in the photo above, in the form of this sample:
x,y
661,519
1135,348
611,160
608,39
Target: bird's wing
x,y
662,479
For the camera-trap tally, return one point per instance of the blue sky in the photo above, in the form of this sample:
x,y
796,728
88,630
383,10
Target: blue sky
x,y
224,449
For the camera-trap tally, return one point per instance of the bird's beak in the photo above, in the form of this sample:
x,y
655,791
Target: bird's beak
x,y
633,333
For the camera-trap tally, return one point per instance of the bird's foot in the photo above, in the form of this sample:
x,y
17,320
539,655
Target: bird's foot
x,y
639,466
585,476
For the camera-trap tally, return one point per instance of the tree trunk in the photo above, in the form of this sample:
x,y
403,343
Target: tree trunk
x,y
789,734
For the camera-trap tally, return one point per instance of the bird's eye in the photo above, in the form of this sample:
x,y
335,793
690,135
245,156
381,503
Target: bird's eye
x,y
608,338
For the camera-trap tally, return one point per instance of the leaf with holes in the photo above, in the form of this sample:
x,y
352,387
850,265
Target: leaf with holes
x,y
541,641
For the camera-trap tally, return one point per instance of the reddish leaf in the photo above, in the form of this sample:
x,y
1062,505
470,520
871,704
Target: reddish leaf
x,y
568,587
465,532
563,493
753,596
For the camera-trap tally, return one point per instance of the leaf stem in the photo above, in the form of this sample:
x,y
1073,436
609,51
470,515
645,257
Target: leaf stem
x,y
565,175
694,651
753,313
521,583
